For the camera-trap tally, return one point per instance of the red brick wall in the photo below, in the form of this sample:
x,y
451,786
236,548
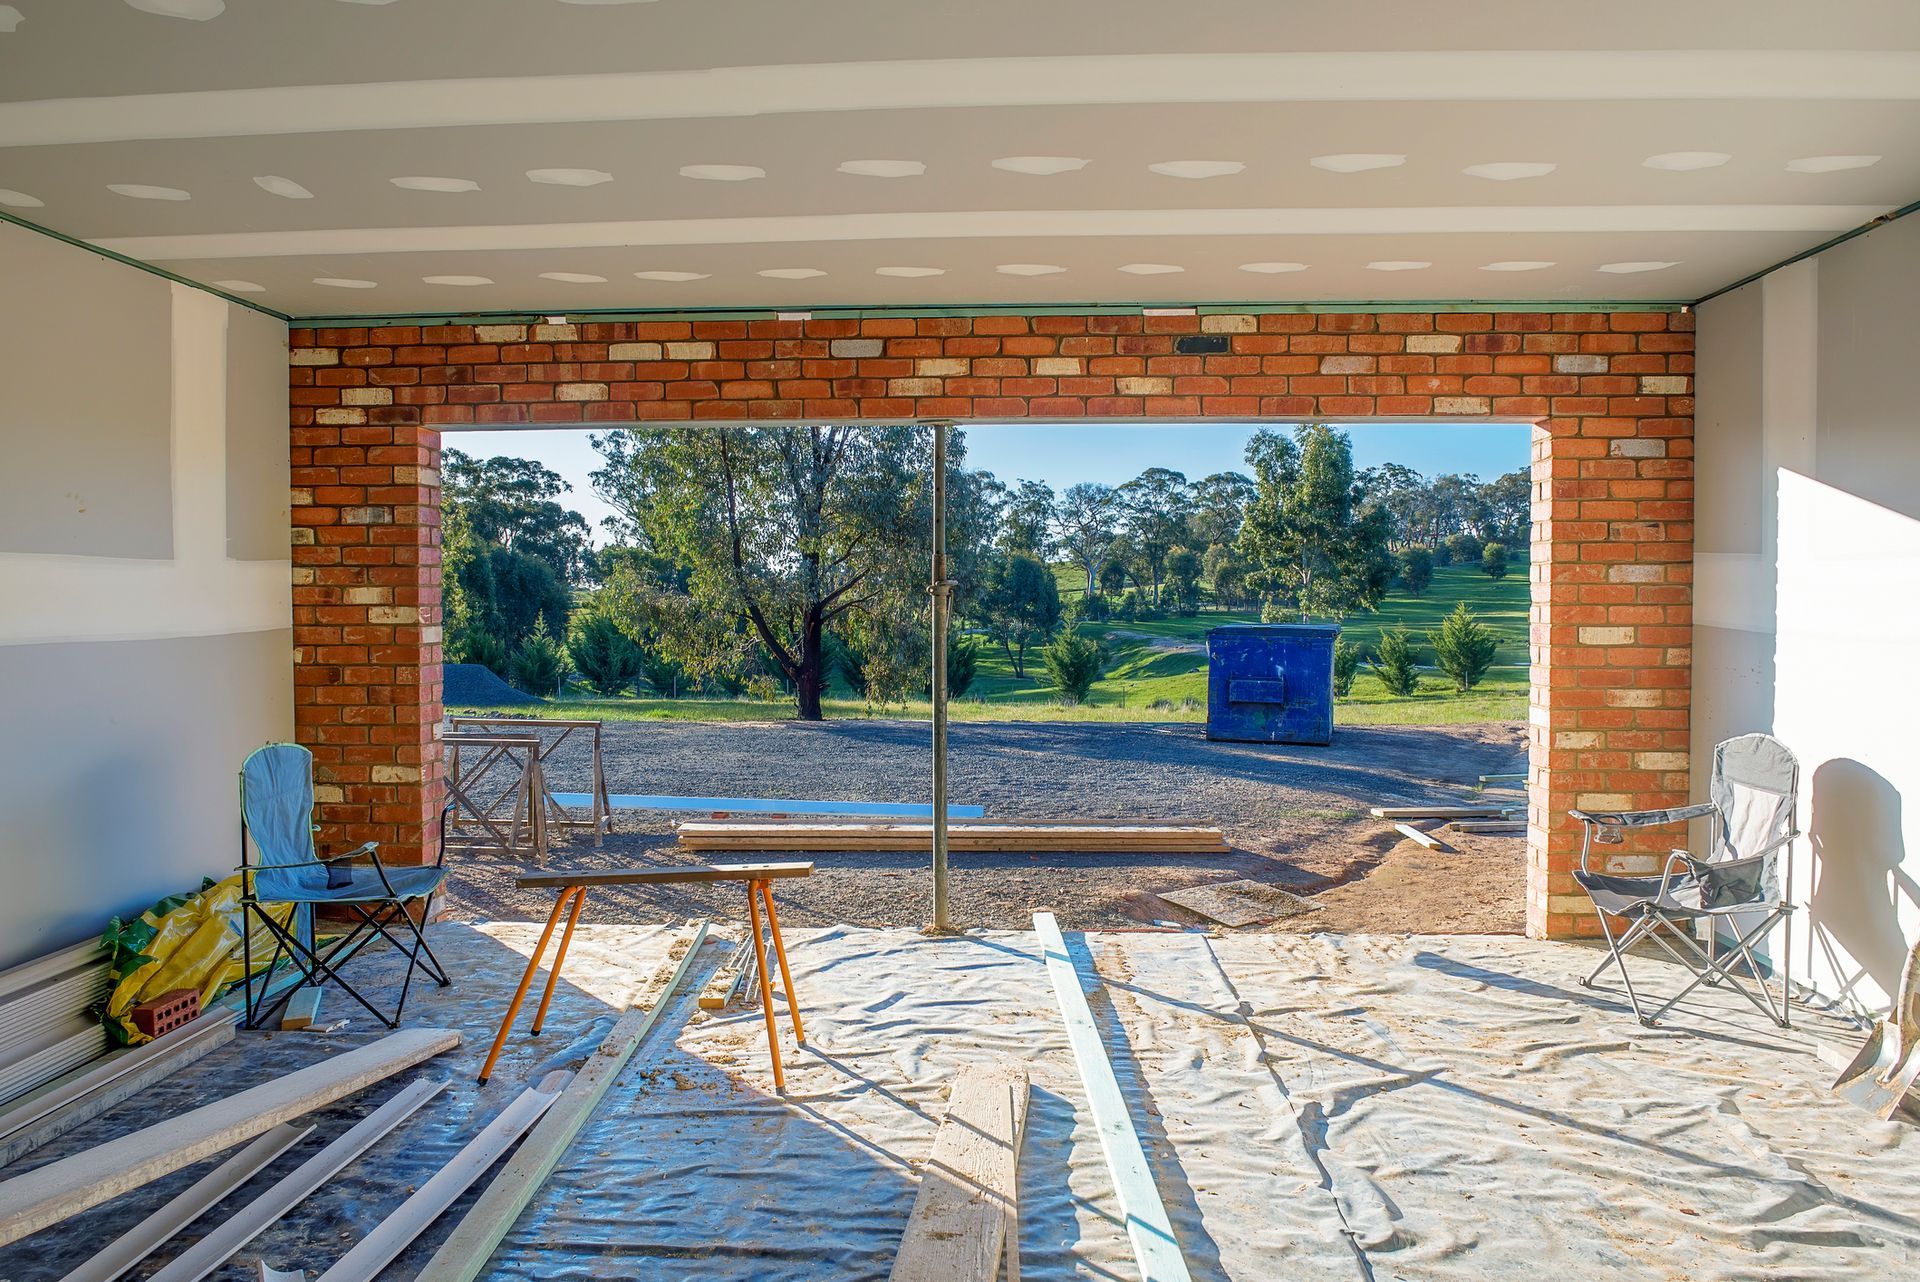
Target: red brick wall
x,y
1612,395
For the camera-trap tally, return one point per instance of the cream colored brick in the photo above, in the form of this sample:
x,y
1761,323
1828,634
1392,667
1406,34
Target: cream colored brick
x,y
582,391
1679,656
855,348
396,774
689,351
556,333
1637,447
915,387
1144,386
1056,366
302,536
1578,905
427,476
367,596
366,396
500,333
329,792
1632,698
302,575
634,352
430,636
1580,363
1462,405
941,367
1434,344
393,614
1606,636
1660,760
301,498
340,418
314,356
1235,324
1627,572
1603,801
1577,739
1663,385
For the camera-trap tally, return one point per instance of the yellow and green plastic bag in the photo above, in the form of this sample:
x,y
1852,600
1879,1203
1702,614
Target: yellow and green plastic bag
x,y
184,941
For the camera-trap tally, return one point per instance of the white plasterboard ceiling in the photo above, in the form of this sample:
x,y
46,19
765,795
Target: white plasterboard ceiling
x,y
439,156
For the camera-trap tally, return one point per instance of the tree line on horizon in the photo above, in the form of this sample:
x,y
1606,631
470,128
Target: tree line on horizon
x,y
756,560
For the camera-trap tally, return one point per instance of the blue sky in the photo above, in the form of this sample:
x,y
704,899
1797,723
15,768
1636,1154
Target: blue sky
x,y
1063,453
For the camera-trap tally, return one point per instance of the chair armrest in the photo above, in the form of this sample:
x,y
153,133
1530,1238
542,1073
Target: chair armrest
x,y
1642,818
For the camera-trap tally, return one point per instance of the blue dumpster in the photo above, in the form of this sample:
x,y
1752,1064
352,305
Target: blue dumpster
x,y
1271,682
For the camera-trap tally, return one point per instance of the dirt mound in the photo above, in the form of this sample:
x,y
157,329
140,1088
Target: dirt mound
x,y
469,685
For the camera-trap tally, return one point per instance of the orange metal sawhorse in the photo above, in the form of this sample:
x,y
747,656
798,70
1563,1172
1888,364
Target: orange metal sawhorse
x,y
759,879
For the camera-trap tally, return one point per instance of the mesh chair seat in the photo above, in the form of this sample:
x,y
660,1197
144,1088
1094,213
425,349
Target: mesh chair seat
x,y
363,885
1633,896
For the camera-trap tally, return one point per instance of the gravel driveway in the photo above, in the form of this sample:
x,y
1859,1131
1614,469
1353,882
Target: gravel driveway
x,y
1296,817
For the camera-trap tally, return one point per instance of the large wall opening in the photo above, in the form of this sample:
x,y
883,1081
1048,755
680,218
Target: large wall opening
x,y
1609,394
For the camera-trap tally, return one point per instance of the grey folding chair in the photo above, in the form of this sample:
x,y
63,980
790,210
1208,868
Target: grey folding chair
x,y
1738,882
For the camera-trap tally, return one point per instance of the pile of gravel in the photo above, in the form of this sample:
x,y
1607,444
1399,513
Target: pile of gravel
x,y
471,685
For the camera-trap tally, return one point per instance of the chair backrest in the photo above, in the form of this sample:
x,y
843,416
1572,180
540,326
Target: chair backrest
x,y
276,805
1755,787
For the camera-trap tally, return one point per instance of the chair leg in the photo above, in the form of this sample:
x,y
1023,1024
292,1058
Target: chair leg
x,y
1614,948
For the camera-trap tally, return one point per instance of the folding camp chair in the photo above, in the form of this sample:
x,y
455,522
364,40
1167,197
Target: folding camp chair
x,y
1751,816
276,819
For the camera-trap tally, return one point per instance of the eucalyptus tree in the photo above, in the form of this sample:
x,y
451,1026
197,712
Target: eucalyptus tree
x,y
1314,543
1085,521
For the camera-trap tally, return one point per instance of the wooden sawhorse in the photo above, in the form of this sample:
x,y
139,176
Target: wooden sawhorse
x,y
759,879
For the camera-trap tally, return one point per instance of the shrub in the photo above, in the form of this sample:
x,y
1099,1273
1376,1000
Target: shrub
x,y
606,658
471,645
1073,665
1493,560
1462,549
1393,663
1463,647
963,664
1416,570
1183,593
1346,666
540,665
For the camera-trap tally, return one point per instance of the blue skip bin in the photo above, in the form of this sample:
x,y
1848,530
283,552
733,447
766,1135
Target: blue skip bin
x,y
1271,682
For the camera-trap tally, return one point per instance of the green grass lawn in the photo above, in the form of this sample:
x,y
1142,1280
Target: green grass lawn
x,y
1145,682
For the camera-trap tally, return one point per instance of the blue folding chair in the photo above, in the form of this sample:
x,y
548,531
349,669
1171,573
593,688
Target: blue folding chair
x,y
276,820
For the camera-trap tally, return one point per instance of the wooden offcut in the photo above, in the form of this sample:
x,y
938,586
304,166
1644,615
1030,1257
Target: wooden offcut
x,y
1489,827
727,982
1418,837
464,1255
1049,838
1154,1246
969,1189
303,1009
51,1193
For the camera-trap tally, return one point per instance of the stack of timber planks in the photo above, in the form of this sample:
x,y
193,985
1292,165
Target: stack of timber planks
x,y
1081,837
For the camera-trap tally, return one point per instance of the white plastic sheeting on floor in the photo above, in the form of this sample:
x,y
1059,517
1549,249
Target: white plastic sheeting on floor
x,y
1317,1107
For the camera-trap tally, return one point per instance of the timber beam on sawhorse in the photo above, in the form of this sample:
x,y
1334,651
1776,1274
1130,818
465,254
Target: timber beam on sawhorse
x,y
572,885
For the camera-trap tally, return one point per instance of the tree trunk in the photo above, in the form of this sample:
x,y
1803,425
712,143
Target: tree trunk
x,y
809,681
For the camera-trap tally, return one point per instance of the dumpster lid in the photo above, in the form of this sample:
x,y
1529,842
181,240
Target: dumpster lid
x,y
1274,630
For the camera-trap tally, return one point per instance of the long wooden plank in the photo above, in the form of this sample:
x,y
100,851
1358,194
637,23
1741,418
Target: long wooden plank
x,y
464,1255
1154,1246
726,982
770,806
84,1094
150,1234
969,1188
253,1219
1443,812
645,876
51,1193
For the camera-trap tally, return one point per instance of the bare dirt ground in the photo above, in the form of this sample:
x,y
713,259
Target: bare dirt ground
x,y
1296,816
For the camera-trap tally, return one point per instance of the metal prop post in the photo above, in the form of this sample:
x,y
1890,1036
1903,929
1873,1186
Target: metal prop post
x,y
942,593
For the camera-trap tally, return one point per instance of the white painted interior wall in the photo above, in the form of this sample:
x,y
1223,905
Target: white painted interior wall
x,y
1807,597
135,670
